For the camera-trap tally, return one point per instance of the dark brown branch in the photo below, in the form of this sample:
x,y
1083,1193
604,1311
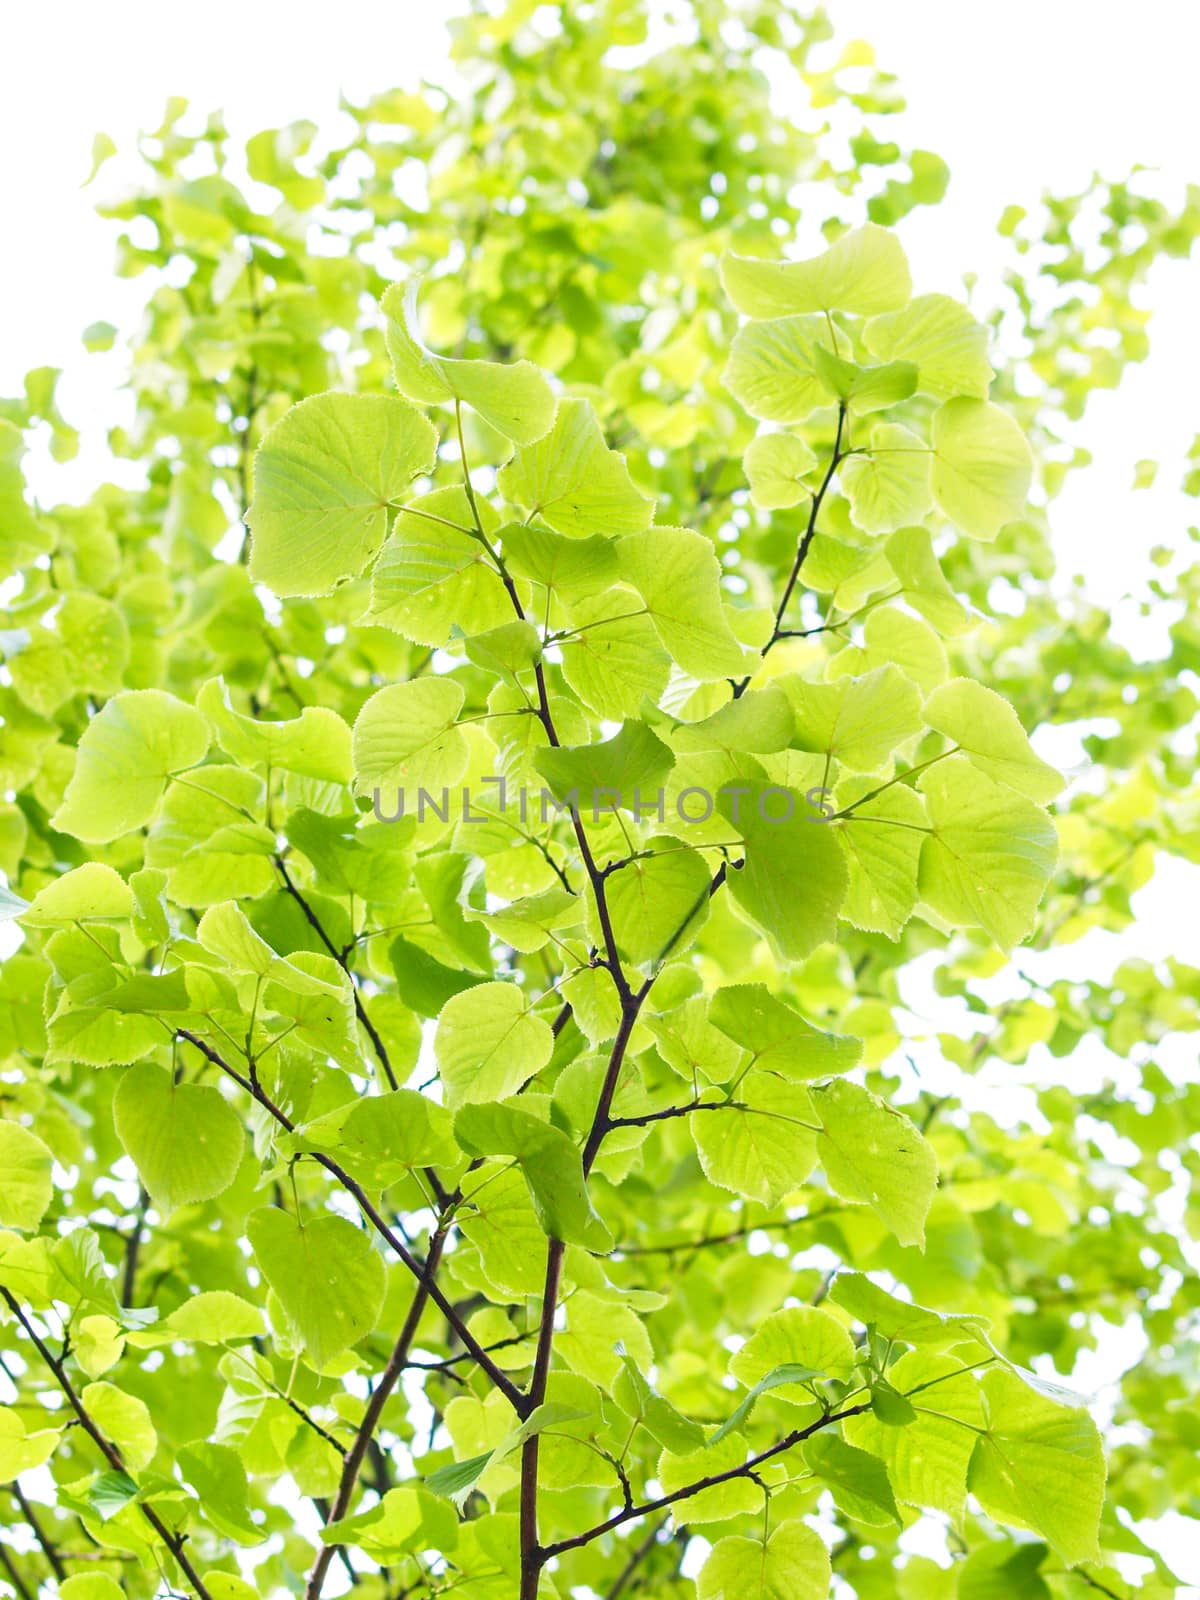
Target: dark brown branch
x,y
674,1111
133,1245
389,1235
49,1549
173,1541
380,1395
636,1557
532,1558
746,1470
802,550
682,1246
464,1355
14,1576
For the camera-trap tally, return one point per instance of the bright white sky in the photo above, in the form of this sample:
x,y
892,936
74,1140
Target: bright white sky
x,y
1019,97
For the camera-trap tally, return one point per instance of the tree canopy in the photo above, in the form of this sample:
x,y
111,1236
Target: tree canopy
x,y
475,812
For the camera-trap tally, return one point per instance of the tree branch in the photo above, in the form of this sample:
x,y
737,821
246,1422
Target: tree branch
x,y
360,1009
49,1549
501,1380
636,1557
802,550
674,1111
357,1453
746,1470
173,1541
14,1576
133,1245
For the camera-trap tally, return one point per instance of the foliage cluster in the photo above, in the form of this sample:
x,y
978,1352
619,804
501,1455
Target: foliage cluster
x,y
501,1199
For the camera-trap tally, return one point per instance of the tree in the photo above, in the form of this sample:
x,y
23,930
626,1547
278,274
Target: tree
x,y
458,1135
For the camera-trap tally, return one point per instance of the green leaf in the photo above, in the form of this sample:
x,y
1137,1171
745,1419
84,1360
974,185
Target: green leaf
x,y
456,1477
184,1138
688,1042
110,1492
125,1420
218,1476
778,1038
927,1456
25,1184
214,1317
506,651
677,574
874,1153
759,722
515,399
551,1165
22,536
316,993
892,1408
423,983
883,842
613,659
91,893
432,577
225,931
1039,1465
315,744
982,466
488,1043
893,638
793,1564
943,338
383,1138
791,1375
776,465
900,1319
859,722
722,1501
762,1148
90,1586
405,738
798,1336
985,726
324,477
794,878
770,369
150,920
20,1450
657,903
572,568
863,272
98,1344
990,855
126,754
573,481
996,1571
638,1398
910,556
888,484
326,1275
405,1519
602,776
859,1481
864,389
